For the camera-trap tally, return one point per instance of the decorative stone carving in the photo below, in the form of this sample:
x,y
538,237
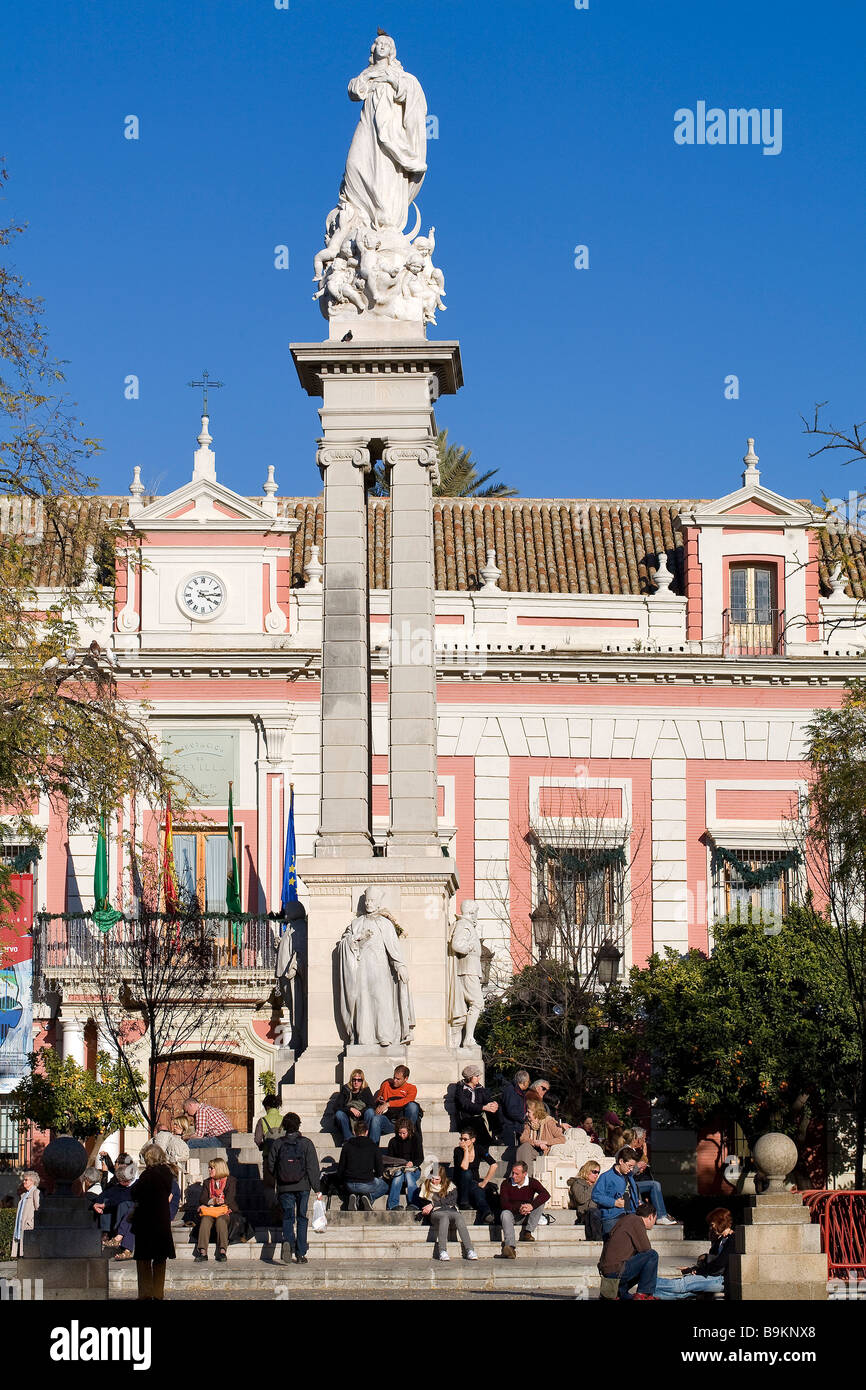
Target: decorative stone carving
x,y
425,455
355,454
664,575
374,1004
313,571
838,581
290,972
775,1156
64,1160
466,994
491,574
368,263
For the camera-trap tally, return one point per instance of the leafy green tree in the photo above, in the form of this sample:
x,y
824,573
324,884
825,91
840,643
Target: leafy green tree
x,y
835,838
760,1032
68,1099
64,731
458,475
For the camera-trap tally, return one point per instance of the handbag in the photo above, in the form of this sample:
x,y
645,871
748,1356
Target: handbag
x,y
215,1211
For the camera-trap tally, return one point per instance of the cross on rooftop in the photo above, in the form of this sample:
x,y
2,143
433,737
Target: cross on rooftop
x,y
205,384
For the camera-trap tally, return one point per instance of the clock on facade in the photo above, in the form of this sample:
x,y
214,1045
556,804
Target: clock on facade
x,y
202,595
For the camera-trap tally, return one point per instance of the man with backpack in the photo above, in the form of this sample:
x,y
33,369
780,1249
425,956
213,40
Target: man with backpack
x,y
295,1166
268,1130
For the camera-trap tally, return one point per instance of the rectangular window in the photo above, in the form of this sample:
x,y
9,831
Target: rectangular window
x,y
736,894
201,865
10,1138
753,623
584,889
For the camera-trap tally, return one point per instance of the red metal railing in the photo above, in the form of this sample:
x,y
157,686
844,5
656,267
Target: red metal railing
x,y
842,1218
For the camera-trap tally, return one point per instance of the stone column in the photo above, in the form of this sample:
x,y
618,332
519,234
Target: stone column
x,y
412,690
72,1034
777,1249
344,820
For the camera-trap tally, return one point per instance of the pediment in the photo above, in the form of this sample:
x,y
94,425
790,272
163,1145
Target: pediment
x,y
205,502
751,505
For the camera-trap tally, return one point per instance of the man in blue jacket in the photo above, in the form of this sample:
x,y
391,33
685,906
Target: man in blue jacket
x,y
512,1107
615,1192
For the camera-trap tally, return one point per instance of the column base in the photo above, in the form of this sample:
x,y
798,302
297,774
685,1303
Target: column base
x,y
340,844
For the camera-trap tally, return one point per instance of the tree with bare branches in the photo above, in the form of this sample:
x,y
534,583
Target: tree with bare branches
x,y
576,872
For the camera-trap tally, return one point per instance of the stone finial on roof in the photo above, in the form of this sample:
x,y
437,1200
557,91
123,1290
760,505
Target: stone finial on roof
x,y
269,488
313,571
751,476
204,458
136,492
838,580
491,574
664,575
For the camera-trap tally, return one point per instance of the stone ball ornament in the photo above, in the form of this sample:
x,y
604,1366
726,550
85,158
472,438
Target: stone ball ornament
x,y
775,1156
64,1160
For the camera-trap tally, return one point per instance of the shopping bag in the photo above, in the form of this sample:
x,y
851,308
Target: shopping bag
x,y
320,1220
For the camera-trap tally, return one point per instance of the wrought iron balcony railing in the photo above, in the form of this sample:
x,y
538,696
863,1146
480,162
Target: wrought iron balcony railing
x,y
64,945
753,631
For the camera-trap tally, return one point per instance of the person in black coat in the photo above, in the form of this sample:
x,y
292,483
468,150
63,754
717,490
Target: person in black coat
x,y
403,1163
151,1223
513,1109
475,1106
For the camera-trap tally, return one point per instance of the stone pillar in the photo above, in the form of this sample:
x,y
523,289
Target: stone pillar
x,y
72,1035
777,1251
412,690
344,818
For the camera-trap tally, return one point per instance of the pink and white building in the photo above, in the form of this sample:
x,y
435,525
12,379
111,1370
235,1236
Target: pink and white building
x,y
649,664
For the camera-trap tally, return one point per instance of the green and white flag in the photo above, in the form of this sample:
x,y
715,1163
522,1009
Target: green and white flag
x,y
233,878
104,914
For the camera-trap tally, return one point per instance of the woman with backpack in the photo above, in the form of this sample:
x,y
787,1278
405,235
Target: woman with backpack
x,y
295,1165
268,1130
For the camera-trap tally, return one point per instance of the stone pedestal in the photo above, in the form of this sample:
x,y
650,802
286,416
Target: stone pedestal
x,y
777,1252
64,1249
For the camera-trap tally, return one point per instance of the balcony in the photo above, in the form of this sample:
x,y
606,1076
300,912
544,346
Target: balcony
x,y
753,632
69,951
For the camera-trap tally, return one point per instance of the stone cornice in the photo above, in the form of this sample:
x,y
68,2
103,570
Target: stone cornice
x,y
316,360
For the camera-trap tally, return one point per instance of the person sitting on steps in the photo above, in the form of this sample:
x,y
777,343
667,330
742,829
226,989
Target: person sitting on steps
x,y
615,1192
471,1187
218,1201
522,1199
394,1099
360,1170
708,1275
628,1257
356,1103
436,1199
404,1159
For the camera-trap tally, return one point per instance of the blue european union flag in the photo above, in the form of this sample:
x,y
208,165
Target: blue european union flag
x,y
290,873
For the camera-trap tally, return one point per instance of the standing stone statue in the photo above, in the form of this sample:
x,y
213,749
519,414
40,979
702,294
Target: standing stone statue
x,y
465,947
375,1003
290,974
368,262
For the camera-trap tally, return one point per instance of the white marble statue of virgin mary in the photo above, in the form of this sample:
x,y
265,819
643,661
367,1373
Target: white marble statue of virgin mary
x,y
388,156
375,1003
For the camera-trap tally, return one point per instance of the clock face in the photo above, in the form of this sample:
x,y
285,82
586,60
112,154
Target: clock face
x,y
203,595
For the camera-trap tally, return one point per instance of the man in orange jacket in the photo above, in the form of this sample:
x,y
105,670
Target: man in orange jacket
x,y
394,1099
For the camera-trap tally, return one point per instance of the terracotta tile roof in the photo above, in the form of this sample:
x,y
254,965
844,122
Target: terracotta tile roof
x,y
545,546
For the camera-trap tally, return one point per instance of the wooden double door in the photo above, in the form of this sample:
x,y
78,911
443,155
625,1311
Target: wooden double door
x,y
226,1083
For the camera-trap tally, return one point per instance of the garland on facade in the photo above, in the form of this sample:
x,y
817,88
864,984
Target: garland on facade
x,y
24,860
579,863
179,919
756,878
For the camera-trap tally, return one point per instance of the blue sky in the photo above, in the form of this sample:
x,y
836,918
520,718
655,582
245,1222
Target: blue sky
x,y
156,257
